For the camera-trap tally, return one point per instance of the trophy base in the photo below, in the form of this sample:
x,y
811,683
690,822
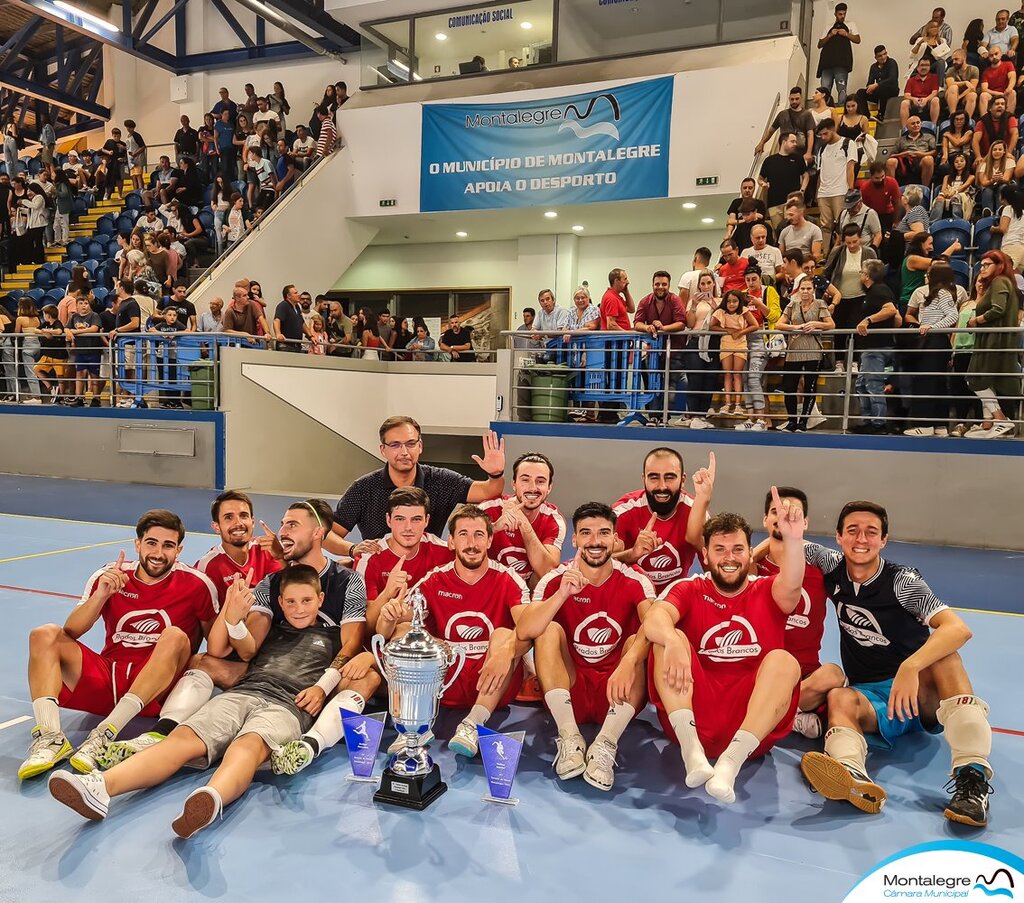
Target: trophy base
x,y
410,791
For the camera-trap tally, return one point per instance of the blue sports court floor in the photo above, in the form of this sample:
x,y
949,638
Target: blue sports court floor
x,y
318,837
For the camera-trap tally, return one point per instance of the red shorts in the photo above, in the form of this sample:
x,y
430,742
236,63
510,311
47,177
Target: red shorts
x,y
719,707
807,666
103,682
463,693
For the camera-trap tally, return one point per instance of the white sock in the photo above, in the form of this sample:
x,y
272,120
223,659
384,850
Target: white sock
x,y
847,746
968,733
47,714
698,768
559,703
720,786
350,701
529,666
192,691
616,721
127,708
478,714
329,729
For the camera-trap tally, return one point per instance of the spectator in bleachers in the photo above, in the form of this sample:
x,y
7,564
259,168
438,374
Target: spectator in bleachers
x,y
208,158
317,335
228,153
794,120
843,270
220,204
115,153
135,147
189,190
1003,37
168,325
957,139
286,170
994,173
688,281
782,174
913,157
584,313
193,237
384,329
735,322
186,140
279,104
821,105
732,267
150,221
260,179
878,312
921,94
762,304
328,136
83,332
63,204
401,336
12,144
883,83
225,104
933,306
998,124
835,62
916,264
422,345
881,192
234,228
289,327
27,326
303,147
866,220
801,234
53,355
733,215
803,316
157,258
823,289
998,79
162,184
185,309
550,317
339,331
458,341
945,31
750,215
966,405
930,45
263,114
73,169
768,257
701,378
35,204
47,140
1011,226
962,80
662,313
249,102
306,306
993,372
617,302
956,197
8,359
837,169
141,273
243,316
853,125
127,314
974,34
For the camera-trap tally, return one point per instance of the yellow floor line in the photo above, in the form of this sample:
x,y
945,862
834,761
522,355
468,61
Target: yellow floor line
x,y
94,545
985,611
91,523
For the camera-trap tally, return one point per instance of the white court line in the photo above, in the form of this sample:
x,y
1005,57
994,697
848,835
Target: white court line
x,y
14,721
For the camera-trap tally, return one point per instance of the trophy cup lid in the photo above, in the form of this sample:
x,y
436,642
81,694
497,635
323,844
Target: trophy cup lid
x,y
417,644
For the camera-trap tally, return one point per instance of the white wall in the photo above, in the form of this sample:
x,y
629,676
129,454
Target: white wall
x,y
892,23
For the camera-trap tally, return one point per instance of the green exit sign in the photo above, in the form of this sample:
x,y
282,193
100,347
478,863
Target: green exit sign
x,y
707,180
390,202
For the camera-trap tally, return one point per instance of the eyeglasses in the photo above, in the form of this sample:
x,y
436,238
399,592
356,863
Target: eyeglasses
x,y
988,263
398,446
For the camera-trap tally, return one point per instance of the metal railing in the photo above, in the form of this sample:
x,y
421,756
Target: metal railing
x,y
628,379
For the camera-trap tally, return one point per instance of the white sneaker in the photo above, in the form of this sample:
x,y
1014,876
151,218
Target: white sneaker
x,y
747,424
839,367
941,431
398,744
32,401
45,751
920,431
292,757
977,432
699,423
600,771
84,759
816,418
680,421
571,749
807,724
465,741
854,368
201,809
85,793
119,750
1001,429
759,427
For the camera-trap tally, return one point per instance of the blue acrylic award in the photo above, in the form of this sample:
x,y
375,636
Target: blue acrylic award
x,y
362,738
500,753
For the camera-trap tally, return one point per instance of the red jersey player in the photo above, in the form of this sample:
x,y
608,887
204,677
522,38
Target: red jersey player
x,y
404,556
528,530
155,611
583,617
473,603
721,681
658,530
238,553
806,625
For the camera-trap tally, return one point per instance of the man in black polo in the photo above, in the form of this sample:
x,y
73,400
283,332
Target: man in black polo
x,y
782,174
365,503
289,326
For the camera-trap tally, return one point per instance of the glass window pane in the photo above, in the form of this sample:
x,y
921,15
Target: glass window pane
x,y
745,19
384,57
511,35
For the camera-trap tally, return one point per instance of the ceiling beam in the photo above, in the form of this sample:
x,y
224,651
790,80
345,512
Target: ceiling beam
x,y
52,96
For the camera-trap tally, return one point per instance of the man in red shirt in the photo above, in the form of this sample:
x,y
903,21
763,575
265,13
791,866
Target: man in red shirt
x,y
528,530
996,125
656,528
998,80
721,680
154,610
617,303
404,556
584,618
882,194
238,553
662,313
732,268
806,625
921,95
473,603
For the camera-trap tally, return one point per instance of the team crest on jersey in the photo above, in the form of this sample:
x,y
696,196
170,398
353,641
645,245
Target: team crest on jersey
x,y
800,616
860,624
662,565
514,558
471,631
596,636
141,628
730,640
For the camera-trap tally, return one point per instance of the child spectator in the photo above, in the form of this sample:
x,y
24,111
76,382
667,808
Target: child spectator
x,y
83,331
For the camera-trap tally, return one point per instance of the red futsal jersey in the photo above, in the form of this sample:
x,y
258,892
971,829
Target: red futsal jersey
x,y
510,550
672,560
806,625
135,617
467,614
376,567
221,569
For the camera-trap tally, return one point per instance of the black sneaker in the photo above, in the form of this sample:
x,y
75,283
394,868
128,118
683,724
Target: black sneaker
x,y
971,790
76,403
95,403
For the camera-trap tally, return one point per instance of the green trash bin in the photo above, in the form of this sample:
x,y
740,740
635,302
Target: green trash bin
x,y
201,376
549,394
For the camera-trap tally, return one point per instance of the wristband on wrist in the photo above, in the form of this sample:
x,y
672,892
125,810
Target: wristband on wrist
x,y
329,680
237,631
497,476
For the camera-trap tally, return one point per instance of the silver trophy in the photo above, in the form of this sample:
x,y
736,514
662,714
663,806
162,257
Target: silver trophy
x,y
415,666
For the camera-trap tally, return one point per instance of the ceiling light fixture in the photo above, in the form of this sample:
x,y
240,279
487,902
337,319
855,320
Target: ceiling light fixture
x,y
577,228
689,205
441,36
550,214
86,16
461,234
707,221
526,25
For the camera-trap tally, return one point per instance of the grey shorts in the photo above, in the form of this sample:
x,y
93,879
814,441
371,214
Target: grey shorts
x,y
231,715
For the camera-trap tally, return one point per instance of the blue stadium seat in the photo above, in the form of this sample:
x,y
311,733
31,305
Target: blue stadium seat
x,y
36,294
133,200
79,207
105,225
54,296
51,266
42,278
90,266
961,272
34,165
105,274
75,250
984,240
132,213
96,250
124,224
206,218
112,248
61,277
102,295
208,194
946,231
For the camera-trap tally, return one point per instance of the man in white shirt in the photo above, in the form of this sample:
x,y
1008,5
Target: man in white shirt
x,y
303,147
263,179
837,169
688,281
265,114
1004,36
768,257
550,318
